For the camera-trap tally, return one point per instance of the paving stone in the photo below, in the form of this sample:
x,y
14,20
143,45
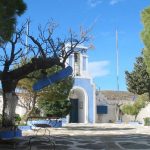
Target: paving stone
x,y
62,147
64,142
85,141
92,146
88,137
112,146
131,145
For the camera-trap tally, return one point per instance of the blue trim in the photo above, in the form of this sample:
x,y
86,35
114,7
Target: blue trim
x,y
10,134
24,128
101,109
53,123
88,87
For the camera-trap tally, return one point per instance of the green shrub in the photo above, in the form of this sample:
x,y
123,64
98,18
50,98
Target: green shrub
x,y
147,121
17,118
35,112
55,108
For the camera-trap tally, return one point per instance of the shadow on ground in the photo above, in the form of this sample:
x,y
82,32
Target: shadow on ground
x,y
103,142
95,128
78,137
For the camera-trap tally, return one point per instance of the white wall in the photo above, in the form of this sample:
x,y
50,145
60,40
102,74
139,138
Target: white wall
x,y
19,110
79,94
127,118
110,116
1,104
81,107
145,112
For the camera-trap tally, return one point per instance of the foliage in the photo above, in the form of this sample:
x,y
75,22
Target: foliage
x,y
134,109
59,91
146,36
55,92
59,108
52,99
127,109
17,117
45,51
147,121
138,81
9,10
36,112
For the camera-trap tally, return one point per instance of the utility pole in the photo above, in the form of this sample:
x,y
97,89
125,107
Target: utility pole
x,y
117,61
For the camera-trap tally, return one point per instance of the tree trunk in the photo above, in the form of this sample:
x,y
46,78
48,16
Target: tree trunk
x,y
135,117
10,100
29,111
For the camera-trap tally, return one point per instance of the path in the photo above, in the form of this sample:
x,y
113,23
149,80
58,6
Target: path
x,y
95,137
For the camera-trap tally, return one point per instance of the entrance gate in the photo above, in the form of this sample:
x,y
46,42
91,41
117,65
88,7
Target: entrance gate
x,y
74,111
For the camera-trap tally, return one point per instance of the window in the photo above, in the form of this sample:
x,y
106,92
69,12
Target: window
x,y
101,109
70,60
75,57
84,63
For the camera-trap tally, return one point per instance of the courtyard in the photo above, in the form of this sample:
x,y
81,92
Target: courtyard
x,y
104,136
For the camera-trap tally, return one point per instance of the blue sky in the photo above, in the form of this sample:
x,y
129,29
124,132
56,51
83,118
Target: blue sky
x,y
104,16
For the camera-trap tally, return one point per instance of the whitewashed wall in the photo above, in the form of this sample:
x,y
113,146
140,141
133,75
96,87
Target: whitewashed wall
x,y
19,110
1,104
145,112
127,118
110,116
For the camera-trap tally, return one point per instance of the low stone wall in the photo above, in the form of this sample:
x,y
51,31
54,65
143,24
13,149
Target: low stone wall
x,y
8,134
52,123
24,128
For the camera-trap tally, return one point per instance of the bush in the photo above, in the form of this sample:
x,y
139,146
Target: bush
x,y
147,121
35,112
17,118
55,108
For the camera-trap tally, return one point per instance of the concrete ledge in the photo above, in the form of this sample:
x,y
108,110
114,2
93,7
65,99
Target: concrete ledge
x,y
24,128
52,123
8,134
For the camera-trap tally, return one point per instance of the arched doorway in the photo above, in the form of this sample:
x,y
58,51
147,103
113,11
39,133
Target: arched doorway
x,y
79,103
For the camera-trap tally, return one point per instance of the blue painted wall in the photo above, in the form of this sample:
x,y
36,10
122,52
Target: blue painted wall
x,y
86,84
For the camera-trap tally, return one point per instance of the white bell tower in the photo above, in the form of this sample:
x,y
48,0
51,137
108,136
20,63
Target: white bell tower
x,y
82,95
79,62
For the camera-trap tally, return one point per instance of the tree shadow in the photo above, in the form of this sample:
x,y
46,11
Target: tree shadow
x,y
107,142
95,128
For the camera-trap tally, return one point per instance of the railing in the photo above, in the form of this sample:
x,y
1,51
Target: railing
x,y
43,125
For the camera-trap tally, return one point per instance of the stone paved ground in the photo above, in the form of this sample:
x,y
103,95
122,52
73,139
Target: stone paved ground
x,y
91,137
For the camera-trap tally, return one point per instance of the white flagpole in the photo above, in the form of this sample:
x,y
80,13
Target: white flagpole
x,y
117,60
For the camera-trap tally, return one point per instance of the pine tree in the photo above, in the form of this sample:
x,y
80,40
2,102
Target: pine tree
x,y
146,36
9,10
138,81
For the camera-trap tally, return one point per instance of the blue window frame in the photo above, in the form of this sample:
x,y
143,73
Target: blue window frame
x,y
101,109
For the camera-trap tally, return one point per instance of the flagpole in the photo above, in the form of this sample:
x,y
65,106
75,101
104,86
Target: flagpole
x,y
117,61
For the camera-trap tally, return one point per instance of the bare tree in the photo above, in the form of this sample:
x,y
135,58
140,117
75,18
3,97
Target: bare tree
x,y
44,51
28,101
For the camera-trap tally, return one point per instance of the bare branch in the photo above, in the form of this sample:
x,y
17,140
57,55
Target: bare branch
x,y
39,46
